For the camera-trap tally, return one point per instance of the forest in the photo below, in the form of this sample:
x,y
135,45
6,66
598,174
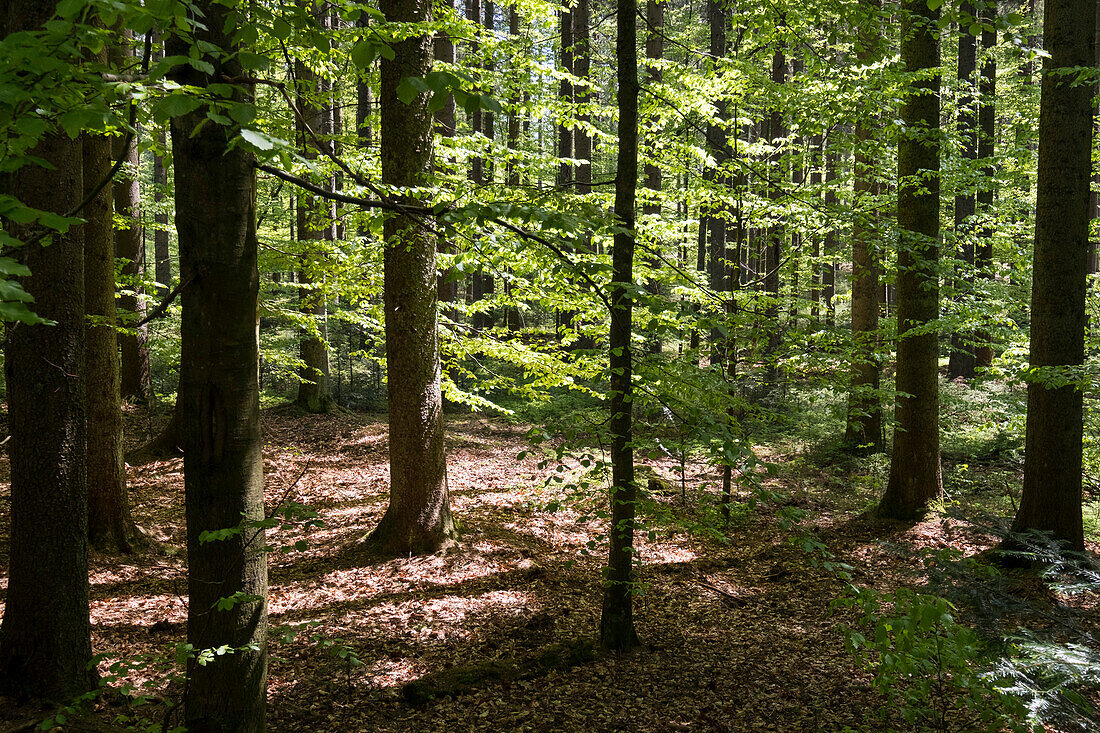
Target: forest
x,y
572,365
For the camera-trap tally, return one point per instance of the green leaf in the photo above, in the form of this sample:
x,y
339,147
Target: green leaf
x,y
364,53
281,29
175,105
410,88
253,61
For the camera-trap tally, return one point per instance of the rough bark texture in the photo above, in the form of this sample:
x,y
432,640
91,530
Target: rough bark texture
x,y
314,388
219,403
617,618
444,48
715,221
110,526
45,642
1052,470
915,463
418,518
961,362
864,426
777,232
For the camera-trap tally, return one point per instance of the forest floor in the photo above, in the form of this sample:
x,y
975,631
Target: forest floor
x,y
738,633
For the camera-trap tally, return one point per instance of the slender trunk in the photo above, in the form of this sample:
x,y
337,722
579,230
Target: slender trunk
x,y
617,618
110,526
864,429
444,50
161,251
961,363
915,463
130,247
987,121
654,51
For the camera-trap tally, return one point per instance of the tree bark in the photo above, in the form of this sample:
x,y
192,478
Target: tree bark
x,y
45,646
418,518
314,386
864,426
987,121
617,618
161,252
962,361
219,399
130,247
1052,470
110,526
915,463
654,51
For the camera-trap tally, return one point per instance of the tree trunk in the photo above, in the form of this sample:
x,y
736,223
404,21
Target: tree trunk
x,y
418,518
219,401
654,51
961,362
915,462
987,121
130,247
444,49
864,428
777,232
45,646
161,253
1052,469
314,386
110,526
617,618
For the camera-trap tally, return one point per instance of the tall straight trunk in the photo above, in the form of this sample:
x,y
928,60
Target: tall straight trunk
x,y
961,362
654,51
617,617
565,135
220,400
864,426
1052,469
513,316
817,144
418,518
314,388
444,49
715,223
130,247
776,232
45,638
162,255
829,246
915,462
987,121
110,526
484,284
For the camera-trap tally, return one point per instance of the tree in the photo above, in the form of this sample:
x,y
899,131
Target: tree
x,y
962,361
130,248
45,638
110,526
915,462
1051,498
314,388
219,391
864,427
418,518
617,619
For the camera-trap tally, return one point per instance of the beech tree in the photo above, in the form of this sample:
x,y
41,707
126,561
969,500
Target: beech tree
x,y
617,620
1051,499
219,392
418,518
915,461
45,646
